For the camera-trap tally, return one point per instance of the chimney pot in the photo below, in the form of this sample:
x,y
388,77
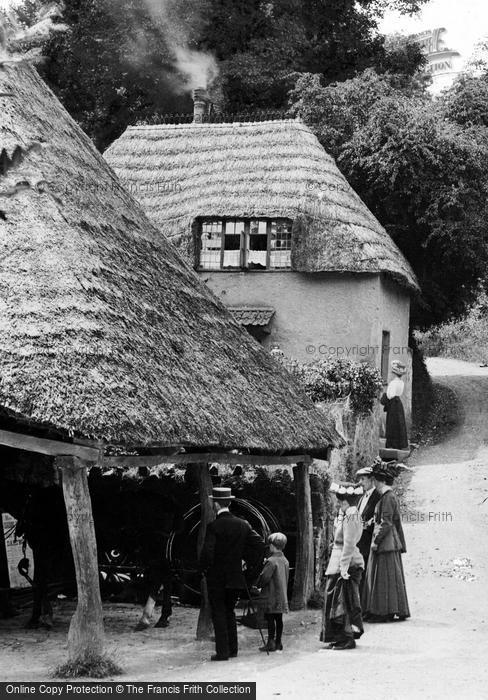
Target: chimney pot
x,y
200,105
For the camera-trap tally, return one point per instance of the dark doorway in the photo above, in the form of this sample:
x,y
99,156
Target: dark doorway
x,y
385,355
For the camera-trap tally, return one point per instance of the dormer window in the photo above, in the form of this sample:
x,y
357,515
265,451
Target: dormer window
x,y
249,244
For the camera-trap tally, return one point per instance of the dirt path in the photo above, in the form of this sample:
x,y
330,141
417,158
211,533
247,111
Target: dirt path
x,y
441,652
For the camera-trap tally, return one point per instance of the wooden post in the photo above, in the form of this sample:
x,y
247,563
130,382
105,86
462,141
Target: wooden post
x,y
319,520
304,560
204,625
86,634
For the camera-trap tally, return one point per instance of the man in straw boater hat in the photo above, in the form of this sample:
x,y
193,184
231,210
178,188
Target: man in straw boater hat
x,y
396,427
229,540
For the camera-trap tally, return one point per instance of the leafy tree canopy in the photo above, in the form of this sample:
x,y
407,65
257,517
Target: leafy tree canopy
x,y
115,65
466,103
422,174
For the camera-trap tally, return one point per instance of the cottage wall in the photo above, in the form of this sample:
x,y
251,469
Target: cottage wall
x,y
394,315
317,315
326,314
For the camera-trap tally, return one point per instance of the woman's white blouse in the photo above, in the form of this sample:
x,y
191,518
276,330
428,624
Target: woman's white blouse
x,y
348,528
395,388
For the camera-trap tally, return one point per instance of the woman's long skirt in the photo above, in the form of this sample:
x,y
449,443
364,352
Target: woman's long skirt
x,y
384,591
342,607
396,427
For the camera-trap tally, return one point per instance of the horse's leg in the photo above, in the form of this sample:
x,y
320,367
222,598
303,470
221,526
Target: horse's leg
x,y
153,584
47,618
42,614
36,590
166,608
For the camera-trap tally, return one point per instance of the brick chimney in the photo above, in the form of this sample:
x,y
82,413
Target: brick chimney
x,y
201,102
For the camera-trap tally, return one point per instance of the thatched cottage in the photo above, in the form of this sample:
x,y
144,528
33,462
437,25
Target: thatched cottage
x,y
110,340
272,226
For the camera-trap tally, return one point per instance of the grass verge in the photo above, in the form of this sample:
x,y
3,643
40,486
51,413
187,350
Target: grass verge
x,y
88,667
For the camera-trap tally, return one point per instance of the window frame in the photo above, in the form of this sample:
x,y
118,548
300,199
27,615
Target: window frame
x,y
245,240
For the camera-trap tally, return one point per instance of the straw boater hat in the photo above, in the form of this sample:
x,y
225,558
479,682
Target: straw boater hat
x,y
398,368
221,493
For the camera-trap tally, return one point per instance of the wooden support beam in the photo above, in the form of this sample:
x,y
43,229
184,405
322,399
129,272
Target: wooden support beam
x,y
202,458
91,451
204,624
86,634
47,447
138,460
304,561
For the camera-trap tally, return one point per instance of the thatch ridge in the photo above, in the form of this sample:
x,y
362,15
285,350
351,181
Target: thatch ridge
x,y
105,332
255,169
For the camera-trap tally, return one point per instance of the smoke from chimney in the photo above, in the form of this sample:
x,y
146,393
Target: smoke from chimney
x,y
199,68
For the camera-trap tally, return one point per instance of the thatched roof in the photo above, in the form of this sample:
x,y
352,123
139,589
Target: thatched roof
x,y
105,333
262,169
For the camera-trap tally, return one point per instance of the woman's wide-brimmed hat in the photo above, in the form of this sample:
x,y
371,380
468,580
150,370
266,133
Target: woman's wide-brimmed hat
x,y
365,471
398,368
346,488
387,471
380,470
221,493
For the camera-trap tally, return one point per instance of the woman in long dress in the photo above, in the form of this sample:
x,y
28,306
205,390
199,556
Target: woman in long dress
x,y
341,620
384,593
396,427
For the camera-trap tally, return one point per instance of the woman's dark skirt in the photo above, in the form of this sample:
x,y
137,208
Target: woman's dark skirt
x,y
384,591
342,608
396,427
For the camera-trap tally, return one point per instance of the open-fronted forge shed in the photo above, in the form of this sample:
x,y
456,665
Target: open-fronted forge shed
x,y
273,227
109,339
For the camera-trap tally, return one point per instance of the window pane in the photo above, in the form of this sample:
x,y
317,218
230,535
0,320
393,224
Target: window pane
x,y
211,244
280,255
258,244
234,235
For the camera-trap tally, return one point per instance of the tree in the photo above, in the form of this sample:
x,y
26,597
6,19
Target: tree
x,y
116,63
466,103
335,38
423,176
111,67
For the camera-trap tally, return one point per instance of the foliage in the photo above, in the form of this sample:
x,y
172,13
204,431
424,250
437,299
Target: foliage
x,y
115,65
286,38
422,391
465,338
423,176
111,67
466,103
90,666
331,379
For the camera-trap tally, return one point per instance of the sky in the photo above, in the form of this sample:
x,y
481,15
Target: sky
x,y
466,21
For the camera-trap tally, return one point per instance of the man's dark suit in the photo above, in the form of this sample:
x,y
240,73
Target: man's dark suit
x,y
228,541
364,544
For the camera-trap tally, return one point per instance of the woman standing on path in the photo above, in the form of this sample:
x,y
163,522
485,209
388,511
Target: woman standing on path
x,y
384,594
396,427
342,607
